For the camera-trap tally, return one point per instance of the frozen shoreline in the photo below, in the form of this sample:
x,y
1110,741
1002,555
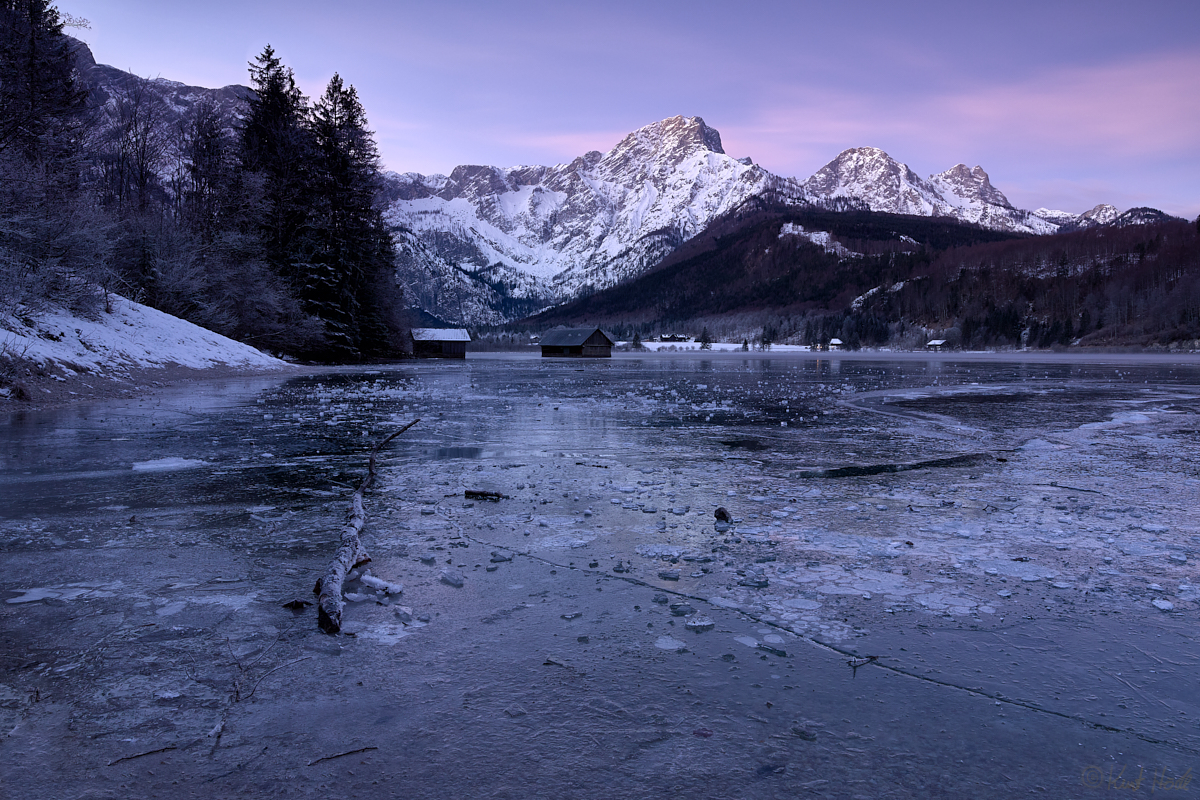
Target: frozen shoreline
x,y
56,357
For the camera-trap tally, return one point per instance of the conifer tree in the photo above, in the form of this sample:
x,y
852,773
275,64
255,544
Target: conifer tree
x,y
51,239
345,185
41,101
277,154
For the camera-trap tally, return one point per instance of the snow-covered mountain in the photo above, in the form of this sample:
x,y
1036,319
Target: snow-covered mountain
x,y
491,244
503,239
1103,214
871,175
174,101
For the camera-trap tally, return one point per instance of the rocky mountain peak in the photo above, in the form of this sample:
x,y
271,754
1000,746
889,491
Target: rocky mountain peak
x,y
971,184
873,176
670,140
856,168
1102,214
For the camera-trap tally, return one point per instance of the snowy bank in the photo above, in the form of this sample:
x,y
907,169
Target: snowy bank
x,y
130,339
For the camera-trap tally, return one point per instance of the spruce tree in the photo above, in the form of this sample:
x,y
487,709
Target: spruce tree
x,y
277,155
353,250
41,100
52,247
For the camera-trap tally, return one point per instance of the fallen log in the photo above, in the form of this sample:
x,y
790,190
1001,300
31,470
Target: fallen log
x,y
350,552
478,494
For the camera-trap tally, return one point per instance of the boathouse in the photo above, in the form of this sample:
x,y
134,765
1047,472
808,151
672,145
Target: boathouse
x,y
576,343
440,342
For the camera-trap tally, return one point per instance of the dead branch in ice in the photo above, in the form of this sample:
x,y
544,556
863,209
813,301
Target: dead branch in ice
x,y
350,553
341,755
140,755
268,672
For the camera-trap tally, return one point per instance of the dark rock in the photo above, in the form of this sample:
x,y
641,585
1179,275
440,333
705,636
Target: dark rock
x,y
722,515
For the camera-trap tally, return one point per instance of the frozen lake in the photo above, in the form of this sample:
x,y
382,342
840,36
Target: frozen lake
x,y
1014,541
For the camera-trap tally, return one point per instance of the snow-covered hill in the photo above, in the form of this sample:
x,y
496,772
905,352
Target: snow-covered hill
x,y
118,344
1103,214
168,102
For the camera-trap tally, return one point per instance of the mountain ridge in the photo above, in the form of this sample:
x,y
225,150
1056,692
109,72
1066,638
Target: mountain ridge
x,y
488,244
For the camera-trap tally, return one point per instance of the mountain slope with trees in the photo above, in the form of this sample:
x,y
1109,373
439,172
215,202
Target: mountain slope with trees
x,y
254,213
890,280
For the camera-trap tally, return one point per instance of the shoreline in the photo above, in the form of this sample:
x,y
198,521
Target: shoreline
x,y
49,390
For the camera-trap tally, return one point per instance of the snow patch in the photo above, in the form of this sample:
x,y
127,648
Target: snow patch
x,y
129,336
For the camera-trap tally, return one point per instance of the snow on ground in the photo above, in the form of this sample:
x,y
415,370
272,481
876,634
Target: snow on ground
x,y
130,337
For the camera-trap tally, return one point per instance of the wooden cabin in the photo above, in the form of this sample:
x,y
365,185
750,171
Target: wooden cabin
x,y
576,343
836,344
935,345
440,342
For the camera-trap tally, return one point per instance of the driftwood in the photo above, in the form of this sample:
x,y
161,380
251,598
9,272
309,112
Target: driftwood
x,y
350,553
477,494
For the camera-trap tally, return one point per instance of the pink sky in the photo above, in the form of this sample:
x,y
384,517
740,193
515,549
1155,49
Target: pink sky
x,y
1066,105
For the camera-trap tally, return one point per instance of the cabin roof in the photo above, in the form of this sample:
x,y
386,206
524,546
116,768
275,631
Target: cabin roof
x,y
440,335
571,337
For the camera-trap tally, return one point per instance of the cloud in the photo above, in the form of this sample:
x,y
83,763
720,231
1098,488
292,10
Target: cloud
x,y
1068,136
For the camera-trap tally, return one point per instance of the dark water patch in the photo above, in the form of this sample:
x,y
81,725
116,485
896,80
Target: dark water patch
x,y
745,444
446,453
884,469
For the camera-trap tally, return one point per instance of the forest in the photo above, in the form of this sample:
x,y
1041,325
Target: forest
x,y
910,279
261,221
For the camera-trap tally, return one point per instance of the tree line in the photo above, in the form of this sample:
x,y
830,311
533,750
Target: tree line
x,y
262,222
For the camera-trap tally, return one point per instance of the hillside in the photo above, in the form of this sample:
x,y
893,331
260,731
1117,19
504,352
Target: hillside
x,y
878,279
56,356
